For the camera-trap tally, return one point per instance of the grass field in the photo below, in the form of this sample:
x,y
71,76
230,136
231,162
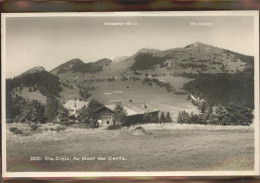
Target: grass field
x,y
162,147
158,97
118,90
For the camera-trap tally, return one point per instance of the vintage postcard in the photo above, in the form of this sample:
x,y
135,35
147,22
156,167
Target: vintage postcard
x,y
130,94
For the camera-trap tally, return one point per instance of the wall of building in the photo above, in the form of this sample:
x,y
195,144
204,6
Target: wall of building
x,y
105,117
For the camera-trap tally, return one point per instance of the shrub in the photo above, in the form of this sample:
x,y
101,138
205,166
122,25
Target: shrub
x,y
110,79
183,117
114,127
93,124
33,126
124,78
59,128
15,130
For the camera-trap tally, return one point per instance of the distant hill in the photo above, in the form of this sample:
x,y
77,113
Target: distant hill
x,y
103,62
68,66
77,65
194,58
45,82
33,70
120,58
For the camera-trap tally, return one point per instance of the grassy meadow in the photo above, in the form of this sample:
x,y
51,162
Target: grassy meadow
x,y
154,147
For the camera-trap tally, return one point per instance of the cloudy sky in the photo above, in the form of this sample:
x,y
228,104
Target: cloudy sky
x,y
50,41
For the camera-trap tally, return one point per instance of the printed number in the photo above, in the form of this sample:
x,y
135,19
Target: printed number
x,y
35,158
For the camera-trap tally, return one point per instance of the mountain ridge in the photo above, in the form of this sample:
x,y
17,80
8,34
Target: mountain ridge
x,y
33,70
194,58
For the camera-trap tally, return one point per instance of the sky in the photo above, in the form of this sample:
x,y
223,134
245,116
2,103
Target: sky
x,y
51,41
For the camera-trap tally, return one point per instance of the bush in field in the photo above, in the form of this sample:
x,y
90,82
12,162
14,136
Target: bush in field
x,y
110,79
15,130
93,124
195,119
59,128
183,117
124,78
114,127
33,126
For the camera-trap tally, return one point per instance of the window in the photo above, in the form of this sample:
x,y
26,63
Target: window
x,y
108,122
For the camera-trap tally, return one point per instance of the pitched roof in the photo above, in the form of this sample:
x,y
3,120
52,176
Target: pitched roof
x,y
133,108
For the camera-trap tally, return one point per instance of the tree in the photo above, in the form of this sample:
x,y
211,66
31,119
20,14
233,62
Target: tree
x,y
120,115
51,108
232,114
63,114
168,117
163,119
83,115
183,117
92,106
14,105
84,94
33,111
86,113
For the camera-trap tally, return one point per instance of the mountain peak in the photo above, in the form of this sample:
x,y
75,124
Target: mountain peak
x,y
148,50
75,61
33,70
197,45
104,61
67,66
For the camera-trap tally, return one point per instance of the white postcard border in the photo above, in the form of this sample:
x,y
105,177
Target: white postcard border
x,y
253,13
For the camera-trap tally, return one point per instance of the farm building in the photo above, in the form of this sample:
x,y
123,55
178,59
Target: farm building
x,y
74,106
135,112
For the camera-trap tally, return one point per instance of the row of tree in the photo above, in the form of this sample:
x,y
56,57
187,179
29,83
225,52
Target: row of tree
x,y
33,111
53,111
228,114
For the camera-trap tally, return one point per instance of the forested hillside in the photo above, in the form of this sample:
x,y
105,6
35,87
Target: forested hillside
x,y
144,61
45,82
224,88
